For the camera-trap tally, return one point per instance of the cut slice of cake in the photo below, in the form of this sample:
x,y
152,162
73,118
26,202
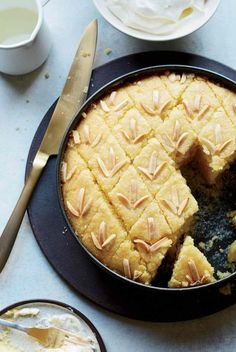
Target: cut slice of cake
x,y
191,268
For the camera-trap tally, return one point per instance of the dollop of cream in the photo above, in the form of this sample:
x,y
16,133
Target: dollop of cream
x,y
156,16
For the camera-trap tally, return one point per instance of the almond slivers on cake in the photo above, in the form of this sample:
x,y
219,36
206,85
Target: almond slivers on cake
x,y
121,180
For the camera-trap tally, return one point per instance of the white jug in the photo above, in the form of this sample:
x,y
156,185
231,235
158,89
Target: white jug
x,y
24,36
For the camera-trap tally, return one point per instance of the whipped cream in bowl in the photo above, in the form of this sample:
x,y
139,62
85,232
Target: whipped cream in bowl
x,y
47,314
157,20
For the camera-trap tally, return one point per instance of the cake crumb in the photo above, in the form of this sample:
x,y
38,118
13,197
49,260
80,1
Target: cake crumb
x,y
107,51
46,76
27,101
226,290
85,53
232,253
222,275
202,245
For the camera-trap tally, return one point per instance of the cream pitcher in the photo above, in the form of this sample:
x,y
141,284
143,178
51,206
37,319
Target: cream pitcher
x,y
24,36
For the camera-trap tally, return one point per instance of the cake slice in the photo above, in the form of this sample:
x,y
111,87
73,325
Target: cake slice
x,y
176,83
191,268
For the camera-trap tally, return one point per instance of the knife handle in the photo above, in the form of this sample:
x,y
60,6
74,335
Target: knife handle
x,y
10,232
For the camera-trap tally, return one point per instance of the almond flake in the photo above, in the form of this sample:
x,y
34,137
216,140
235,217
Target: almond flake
x,y
148,109
76,137
95,241
112,98
167,141
145,172
152,163
86,208
164,106
164,242
176,131
155,98
121,105
172,77
137,139
126,136
142,244
96,140
84,115
71,209
140,201
151,228
182,206
175,197
178,77
112,158
117,167
103,168
234,108
63,171
181,140
81,199
169,205
203,111
183,78
209,145
218,134
133,128
197,102
133,191
126,267
193,271
108,240
137,274
223,146
102,232
159,169
104,106
71,173
187,108
123,199
86,133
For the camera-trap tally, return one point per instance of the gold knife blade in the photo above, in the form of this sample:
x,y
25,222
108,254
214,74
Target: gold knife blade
x,y
73,96
74,92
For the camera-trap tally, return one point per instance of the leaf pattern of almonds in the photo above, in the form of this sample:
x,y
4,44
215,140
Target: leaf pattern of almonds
x,y
87,138
133,201
82,207
113,165
174,204
101,240
132,135
177,139
194,277
153,169
220,144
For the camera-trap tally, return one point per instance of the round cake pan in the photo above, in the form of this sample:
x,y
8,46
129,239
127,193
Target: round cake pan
x,y
55,307
131,77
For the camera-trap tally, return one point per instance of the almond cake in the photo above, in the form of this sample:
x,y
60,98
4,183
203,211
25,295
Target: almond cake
x,y
122,186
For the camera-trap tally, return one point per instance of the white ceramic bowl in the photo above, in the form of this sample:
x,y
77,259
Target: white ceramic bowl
x,y
183,30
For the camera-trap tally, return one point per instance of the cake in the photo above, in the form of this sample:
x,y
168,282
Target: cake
x,y
122,186
191,267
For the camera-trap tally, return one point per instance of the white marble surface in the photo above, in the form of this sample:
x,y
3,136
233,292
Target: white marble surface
x,y
27,273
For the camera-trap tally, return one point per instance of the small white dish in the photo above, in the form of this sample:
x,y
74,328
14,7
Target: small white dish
x,y
23,53
183,30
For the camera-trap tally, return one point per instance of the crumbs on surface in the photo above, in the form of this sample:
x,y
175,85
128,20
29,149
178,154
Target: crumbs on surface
x,y
226,290
232,253
107,51
222,275
85,53
46,76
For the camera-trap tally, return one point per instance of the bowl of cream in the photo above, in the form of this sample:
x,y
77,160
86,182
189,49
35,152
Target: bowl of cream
x,y
43,313
157,20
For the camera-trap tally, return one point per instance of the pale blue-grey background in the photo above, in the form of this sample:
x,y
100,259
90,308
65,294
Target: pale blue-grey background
x,y
27,274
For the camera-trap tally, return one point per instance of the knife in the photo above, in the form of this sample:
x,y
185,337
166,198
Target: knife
x,y
72,98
